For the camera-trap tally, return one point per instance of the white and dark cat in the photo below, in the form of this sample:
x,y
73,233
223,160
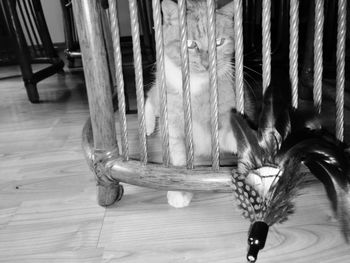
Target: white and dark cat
x,y
199,85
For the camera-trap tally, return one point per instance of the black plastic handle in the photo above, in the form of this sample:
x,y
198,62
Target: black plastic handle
x,y
256,239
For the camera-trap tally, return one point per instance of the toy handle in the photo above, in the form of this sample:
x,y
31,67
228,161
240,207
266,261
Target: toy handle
x,y
256,239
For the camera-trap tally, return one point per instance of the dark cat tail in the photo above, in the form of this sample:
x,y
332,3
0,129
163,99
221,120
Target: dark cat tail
x,y
274,120
248,148
251,105
328,161
276,109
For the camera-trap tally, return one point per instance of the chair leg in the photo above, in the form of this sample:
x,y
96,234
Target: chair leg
x,y
108,191
108,195
21,50
94,55
32,92
68,33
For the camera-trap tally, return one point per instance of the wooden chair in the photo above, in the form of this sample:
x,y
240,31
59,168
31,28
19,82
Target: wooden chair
x,y
111,161
30,34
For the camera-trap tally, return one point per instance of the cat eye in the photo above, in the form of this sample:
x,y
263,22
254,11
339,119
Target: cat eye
x,y
220,41
191,44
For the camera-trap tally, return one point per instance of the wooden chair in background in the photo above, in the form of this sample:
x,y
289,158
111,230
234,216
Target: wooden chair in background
x,y
28,31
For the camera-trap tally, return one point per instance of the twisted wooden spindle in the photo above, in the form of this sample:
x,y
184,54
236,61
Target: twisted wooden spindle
x,y
161,81
186,84
135,32
213,85
318,54
113,17
266,42
293,50
341,38
238,30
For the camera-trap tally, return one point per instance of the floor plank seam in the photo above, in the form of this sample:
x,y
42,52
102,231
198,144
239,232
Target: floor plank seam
x,y
102,224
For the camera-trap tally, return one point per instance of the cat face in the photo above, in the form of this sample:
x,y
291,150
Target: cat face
x,y
197,34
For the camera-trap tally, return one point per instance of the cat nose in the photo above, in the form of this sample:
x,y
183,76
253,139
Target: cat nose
x,y
205,64
205,59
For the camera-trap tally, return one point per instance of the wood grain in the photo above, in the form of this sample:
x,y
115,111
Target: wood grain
x,y
94,55
48,209
98,83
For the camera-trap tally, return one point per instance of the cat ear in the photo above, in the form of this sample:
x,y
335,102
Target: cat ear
x,y
170,12
227,9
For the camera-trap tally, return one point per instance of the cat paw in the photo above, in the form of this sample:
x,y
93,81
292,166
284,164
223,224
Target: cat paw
x,y
179,199
150,119
150,126
178,159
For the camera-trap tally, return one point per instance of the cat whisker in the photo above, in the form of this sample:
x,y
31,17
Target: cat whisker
x,y
247,68
252,70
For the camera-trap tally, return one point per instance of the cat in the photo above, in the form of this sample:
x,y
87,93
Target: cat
x,y
199,85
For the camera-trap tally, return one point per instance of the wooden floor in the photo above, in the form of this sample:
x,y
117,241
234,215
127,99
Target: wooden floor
x,y
48,211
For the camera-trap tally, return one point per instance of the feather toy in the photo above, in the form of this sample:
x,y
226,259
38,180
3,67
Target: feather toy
x,y
270,158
